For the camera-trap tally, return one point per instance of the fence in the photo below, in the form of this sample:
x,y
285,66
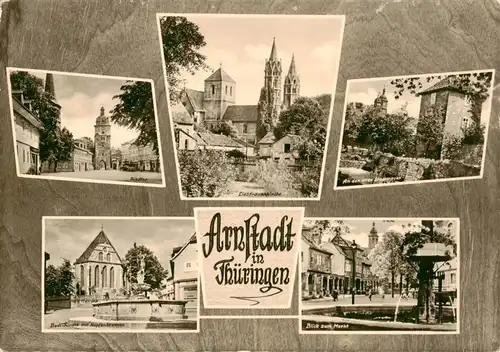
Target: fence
x,y
55,303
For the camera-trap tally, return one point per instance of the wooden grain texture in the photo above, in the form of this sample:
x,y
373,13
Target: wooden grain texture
x,y
119,37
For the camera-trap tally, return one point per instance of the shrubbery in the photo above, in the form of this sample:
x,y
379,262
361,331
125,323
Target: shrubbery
x,y
276,177
205,173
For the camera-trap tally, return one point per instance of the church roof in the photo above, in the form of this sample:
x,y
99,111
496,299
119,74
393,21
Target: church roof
x,y
196,98
220,75
218,140
448,83
292,70
274,52
241,113
101,238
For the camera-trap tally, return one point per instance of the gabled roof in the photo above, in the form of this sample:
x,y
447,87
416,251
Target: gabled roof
x,y
182,117
101,238
314,245
195,136
448,83
195,98
191,240
268,138
220,75
218,140
242,113
293,137
25,113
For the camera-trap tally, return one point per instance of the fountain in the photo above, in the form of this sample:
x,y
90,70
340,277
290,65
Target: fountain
x,y
426,257
138,311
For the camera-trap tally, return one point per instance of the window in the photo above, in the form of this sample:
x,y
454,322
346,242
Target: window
x,y
213,89
452,278
465,122
226,90
24,157
245,128
302,256
108,257
287,148
100,255
186,144
433,98
231,91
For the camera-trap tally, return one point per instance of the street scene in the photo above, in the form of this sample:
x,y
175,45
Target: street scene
x,y
414,129
379,275
250,111
98,277
85,128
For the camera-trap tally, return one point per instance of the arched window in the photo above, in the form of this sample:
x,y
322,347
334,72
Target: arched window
x,y
96,276
108,257
100,256
231,91
104,278
82,276
213,89
245,128
112,277
226,90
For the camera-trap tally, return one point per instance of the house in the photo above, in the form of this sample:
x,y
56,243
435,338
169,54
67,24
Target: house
x,y
82,157
184,272
283,149
27,133
140,157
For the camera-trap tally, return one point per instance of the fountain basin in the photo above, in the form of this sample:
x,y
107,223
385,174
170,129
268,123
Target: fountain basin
x,y
140,310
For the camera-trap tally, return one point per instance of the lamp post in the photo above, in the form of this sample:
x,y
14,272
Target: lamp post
x,y
354,248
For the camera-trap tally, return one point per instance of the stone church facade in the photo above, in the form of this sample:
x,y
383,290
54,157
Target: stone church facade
x,y
99,270
102,140
217,102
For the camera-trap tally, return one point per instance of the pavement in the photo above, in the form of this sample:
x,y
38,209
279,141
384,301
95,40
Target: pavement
x,y
360,300
111,175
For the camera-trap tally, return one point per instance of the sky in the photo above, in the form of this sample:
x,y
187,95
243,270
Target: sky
x,y
242,43
81,99
365,91
69,238
359,229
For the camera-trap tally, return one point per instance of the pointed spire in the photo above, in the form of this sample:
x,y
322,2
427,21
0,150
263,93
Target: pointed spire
x,y
274,52
292,71
49,85
102,110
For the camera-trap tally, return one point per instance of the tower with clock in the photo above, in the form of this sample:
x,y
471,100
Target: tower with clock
x,y
102,141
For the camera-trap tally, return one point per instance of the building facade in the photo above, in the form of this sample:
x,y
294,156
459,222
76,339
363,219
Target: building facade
x,y
102,140
82,157
99,270
138,157
184,275
27,133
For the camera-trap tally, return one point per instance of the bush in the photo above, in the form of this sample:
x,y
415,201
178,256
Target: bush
x,y
205,173
276,177
235,153
32,171
452,147
309,179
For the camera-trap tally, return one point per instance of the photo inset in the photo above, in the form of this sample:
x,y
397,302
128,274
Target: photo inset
x,y
102,275
250,111
380,276
414,129
88,128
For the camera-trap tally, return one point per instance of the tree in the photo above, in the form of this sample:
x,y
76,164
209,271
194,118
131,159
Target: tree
x,y
430,132
385,132
135,110
387,257
182,42
226,128
330,228
304,117
352,120
154,271
43,108
59,280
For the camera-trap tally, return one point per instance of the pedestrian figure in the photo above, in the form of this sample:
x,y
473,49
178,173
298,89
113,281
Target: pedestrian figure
x,y
370,295
335,295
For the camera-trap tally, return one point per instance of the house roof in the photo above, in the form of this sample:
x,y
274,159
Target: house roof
x,y
218,140
101,238
448,83
314,245
242,113
220,75
191,240
195,136
268,138
293,137
26,114
196,98
181,116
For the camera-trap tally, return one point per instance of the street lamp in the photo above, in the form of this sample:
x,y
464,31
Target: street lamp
x,y
354,248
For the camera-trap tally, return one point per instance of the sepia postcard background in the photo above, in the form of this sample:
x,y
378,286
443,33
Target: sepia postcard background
x,y
381,38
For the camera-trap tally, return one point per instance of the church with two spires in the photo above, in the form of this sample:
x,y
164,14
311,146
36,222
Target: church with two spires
x,y
217,102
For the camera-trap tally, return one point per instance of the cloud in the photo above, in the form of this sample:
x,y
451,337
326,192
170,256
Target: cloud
x,y
326,52
366,97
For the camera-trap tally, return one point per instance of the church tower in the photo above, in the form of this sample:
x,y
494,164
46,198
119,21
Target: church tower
x,y
50,89
102,142
292,85
373,237
270,96
219,93
381,101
